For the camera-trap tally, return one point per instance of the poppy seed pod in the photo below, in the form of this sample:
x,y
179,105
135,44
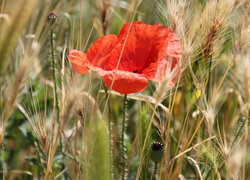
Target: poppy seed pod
x,y
157,152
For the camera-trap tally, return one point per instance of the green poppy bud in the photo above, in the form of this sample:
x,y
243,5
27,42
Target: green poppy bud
x,y
157,151
52,18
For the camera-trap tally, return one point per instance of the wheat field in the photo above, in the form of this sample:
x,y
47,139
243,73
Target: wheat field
x,y
58,124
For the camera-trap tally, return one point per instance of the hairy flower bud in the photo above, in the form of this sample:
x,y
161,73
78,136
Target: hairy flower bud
x,y
52,18
157,151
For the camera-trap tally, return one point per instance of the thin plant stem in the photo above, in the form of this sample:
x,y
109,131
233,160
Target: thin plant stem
x,y
144,144
110,143
169,118
52,49
52,18
3,163
245,144
209,76
212,98
110,134
123,146
154,174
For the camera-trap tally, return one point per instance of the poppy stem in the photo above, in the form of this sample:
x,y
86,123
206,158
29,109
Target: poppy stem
x,y
123,145
52,21
154,174
110,126
54,70
111,148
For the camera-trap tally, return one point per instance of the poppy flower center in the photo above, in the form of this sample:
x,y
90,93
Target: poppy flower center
x,y
135,71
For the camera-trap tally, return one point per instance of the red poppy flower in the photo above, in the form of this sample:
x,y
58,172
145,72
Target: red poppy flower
x,y
146,54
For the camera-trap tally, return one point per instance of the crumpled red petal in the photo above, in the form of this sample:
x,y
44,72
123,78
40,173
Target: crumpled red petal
x,y
125,82
168,55
99,52
79,61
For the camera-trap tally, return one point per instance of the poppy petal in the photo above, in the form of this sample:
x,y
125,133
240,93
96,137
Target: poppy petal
x,y
169,52
98,52
125,28
138,47
79,61
174,47
125,82
175,76
148,50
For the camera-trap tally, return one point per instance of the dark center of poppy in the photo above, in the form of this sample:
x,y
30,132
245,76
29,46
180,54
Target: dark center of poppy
x,y
135,71
156,146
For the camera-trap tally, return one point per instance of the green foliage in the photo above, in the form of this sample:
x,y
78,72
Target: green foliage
x,y
99,168
143,123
